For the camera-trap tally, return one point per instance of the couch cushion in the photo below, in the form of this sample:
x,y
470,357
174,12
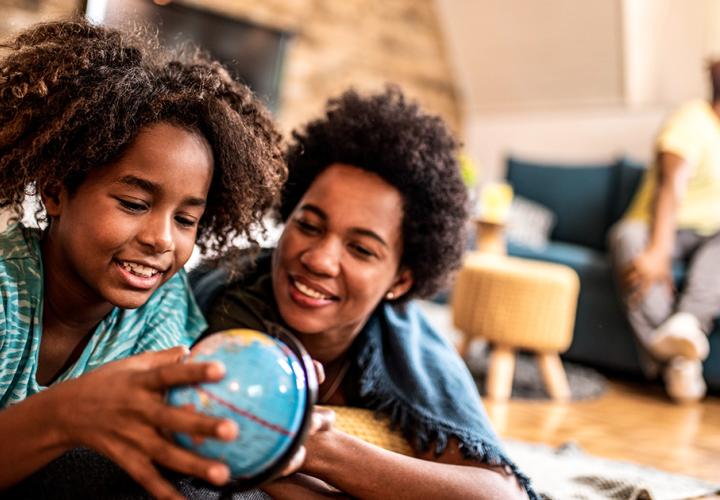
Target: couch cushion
x,y
580,196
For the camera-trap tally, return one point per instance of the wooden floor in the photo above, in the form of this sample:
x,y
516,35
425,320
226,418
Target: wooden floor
x,y
631,422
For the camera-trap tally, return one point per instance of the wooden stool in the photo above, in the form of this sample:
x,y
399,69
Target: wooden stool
x,y
517,304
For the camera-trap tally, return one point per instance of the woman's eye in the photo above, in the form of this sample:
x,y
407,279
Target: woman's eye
x,y
362,251
131,205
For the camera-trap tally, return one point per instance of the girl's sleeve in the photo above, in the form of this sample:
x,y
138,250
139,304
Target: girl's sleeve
x,y
174,317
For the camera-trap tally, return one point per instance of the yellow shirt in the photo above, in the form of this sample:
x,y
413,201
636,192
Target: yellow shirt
x,y
692,132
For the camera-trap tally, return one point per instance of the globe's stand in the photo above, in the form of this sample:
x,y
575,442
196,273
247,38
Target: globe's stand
x,y
269,389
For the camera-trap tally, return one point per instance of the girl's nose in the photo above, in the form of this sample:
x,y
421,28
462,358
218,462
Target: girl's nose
x,y
157,234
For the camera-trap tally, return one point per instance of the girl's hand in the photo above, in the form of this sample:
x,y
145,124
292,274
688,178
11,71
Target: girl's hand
x,y
120,411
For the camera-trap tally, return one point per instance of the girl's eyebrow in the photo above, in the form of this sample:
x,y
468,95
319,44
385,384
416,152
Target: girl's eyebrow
x,y
154,189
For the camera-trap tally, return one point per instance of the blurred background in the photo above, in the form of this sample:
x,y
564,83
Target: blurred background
x,y
581,87
558,79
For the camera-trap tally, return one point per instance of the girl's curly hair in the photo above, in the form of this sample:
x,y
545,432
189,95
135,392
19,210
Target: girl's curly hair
x,y
412,151
73,97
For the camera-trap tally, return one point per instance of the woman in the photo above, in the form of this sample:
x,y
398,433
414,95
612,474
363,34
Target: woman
x,y
375,212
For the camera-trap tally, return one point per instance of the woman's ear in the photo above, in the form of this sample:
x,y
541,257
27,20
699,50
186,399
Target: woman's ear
x,y
51,196
401,285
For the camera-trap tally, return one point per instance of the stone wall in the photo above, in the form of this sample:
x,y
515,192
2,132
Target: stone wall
x,y
336,44
360,43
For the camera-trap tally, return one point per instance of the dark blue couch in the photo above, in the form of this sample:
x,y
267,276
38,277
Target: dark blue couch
x,y
587,200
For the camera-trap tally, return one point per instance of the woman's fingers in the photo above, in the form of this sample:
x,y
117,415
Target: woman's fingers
x,y
322,419
295,462
319,371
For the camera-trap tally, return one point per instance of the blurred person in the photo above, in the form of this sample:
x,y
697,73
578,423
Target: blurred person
x,y
675,215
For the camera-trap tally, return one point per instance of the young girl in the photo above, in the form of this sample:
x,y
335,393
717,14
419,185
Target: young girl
x,y
137,154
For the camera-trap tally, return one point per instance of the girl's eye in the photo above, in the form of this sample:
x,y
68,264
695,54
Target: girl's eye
x,y
185,221
131,206
306,227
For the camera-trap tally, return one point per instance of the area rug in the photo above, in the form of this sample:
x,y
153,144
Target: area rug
x,y
567,472
584,382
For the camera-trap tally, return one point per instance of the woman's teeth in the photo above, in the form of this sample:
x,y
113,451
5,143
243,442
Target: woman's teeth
x,y
310,292
139,269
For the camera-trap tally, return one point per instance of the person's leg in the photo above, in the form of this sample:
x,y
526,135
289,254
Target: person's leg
x,y
626,240
686,330
682,333
700,296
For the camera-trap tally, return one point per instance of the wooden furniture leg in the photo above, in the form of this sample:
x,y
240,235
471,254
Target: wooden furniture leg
x,y
463,345
501,372
553,375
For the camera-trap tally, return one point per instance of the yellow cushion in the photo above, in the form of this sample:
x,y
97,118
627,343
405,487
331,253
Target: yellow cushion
x,y
364,425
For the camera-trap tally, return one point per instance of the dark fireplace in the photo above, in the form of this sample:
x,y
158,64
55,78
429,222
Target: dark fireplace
x,y
253,53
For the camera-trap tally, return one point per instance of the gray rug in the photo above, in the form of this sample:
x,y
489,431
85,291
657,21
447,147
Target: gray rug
x,y
567,472
585,383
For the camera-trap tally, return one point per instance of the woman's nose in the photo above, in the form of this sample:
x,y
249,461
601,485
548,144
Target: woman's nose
x,y
323,258
157,234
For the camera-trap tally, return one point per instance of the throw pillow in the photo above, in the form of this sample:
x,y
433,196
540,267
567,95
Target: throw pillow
x,y
529,223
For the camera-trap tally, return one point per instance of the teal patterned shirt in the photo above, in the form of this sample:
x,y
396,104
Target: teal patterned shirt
x,y
169,318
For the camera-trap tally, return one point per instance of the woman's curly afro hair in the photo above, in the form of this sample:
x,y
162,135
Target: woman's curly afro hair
x,y
73,97
412,151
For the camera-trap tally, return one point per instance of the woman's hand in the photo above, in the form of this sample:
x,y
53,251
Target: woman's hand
x,y
645,270
322,419
120,411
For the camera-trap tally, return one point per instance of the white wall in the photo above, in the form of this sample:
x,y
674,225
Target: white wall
x,y
579,81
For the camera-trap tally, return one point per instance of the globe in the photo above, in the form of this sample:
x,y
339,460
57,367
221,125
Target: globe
x,y
268,389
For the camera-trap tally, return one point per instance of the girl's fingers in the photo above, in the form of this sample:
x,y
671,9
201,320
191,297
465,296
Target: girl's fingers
x,y
163,416
142,470
186,462
154,359
163,377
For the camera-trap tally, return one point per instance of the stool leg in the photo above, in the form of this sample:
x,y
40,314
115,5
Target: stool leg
x,y
501,372
464,345
554,376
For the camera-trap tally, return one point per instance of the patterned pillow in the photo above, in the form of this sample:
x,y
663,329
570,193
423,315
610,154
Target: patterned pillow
x,y
529,223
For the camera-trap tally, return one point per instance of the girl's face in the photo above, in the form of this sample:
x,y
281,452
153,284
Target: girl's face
x,y
339,253
132,224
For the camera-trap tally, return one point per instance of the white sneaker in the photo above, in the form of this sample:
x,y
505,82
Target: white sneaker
x,y
684,381
679,335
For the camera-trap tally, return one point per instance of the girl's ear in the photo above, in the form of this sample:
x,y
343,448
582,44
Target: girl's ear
x,y
51,196
402,284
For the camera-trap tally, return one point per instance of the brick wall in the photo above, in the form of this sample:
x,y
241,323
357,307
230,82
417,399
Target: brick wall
x,y
364,43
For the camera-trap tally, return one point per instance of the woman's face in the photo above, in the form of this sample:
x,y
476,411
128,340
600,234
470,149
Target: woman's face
x,y
339,253
132,224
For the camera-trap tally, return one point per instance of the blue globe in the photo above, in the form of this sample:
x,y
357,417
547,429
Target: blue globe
x,y
267,390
